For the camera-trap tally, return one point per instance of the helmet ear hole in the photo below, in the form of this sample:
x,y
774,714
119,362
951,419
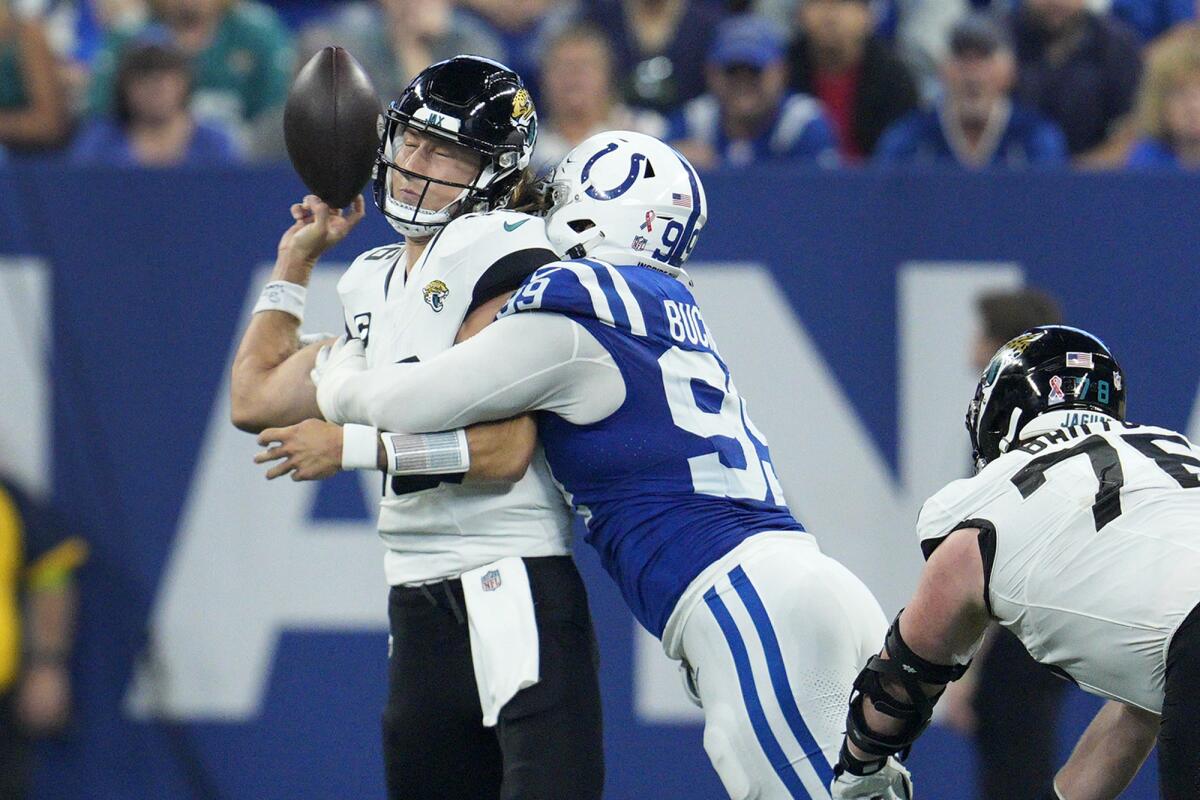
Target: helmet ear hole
x,y
649,169
580,225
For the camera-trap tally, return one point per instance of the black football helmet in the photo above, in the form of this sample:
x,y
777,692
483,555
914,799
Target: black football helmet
x,y
470,101
1048,368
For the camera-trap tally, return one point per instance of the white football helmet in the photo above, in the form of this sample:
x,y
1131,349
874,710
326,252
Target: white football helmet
x,y
626,198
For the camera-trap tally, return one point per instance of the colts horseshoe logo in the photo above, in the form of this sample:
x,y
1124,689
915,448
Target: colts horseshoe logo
x,y
635,167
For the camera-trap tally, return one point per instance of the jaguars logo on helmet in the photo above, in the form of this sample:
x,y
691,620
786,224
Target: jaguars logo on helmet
x,y
522,105
1039,371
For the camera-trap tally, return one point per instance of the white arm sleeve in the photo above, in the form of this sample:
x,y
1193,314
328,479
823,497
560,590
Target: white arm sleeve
x,y
534,361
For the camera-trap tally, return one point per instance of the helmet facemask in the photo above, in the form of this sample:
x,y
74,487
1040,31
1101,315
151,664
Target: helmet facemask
x,y
490,187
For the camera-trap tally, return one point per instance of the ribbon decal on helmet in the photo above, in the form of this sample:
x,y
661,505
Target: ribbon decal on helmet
x,y
635,167
1056,390
648,224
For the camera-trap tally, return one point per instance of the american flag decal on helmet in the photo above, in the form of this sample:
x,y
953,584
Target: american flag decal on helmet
x,y
681,200
1082,360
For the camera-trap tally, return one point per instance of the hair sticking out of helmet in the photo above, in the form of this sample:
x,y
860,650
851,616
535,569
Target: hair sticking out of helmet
x,y
626,198
1041,374
473,103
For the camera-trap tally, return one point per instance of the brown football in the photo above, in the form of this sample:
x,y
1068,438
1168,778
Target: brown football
x,y
330,125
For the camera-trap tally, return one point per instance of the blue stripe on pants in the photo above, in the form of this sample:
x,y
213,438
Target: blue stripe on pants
x,y
779,679
758,719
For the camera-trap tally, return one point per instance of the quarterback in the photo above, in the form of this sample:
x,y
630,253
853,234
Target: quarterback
x,y
492,686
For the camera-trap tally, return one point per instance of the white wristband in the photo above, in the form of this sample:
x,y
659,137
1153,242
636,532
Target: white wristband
x,y
282,296
427,453
360,447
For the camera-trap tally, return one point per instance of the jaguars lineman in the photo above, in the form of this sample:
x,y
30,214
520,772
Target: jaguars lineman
x,y
493,689
1080,534
648,436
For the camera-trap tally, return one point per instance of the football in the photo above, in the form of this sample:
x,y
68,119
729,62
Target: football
x,y
330,126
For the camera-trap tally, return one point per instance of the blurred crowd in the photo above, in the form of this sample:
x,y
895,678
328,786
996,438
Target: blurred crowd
x,y
1011,83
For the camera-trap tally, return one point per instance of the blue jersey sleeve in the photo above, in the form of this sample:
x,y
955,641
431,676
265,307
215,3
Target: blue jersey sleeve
x,y
585,289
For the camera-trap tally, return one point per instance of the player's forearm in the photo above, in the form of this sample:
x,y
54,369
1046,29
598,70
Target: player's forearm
x,y
270,385
496,452
941,626
501,451
1109,754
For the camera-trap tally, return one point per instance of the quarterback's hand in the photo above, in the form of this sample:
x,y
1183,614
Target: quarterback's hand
x,y
311,450
890,782
335,363
317,228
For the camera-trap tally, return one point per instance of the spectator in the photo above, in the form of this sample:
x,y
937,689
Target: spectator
x,y
1168,106
579,97
153,125
1080,69
37,560
76,31
396,39
524,28
975,123
749,114
837,59
240,54
1007,701
1152,18
33,112
920,30
660,47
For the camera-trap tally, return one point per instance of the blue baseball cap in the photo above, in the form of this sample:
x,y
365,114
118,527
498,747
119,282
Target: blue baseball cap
x,y
747,39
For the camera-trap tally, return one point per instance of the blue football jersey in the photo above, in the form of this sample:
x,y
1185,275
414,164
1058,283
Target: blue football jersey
x,y
677,476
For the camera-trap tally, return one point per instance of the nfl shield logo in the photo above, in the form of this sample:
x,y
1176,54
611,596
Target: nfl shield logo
x,y
490,580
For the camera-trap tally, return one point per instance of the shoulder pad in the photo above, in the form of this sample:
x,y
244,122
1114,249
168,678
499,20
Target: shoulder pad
x,y
505,232
368,262
963,499
581,288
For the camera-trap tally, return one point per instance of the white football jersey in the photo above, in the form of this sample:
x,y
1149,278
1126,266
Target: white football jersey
x,y
438,529
1091,549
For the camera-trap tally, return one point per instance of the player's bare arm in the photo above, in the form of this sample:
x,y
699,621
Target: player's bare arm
x,y
500,452
941,625
1109,754
925,650
271,384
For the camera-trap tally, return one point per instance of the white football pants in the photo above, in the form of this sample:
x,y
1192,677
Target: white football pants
x,y
774,646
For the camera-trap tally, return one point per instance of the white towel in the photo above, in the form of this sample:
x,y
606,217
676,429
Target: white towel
x,y
504,634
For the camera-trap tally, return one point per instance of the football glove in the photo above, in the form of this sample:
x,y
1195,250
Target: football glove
x,y
890,782
336,362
